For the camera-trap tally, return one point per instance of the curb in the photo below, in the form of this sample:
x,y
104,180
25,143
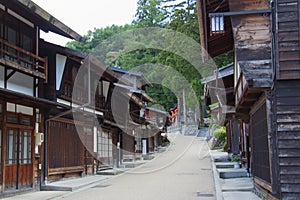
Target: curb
x,y
219,195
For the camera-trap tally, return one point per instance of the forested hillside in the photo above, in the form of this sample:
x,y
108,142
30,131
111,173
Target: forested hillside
x,y
168,14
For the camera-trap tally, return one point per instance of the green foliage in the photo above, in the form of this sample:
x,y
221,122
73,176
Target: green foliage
x,y
236,158
220,134
180,17
150,13
96,37
225,146
223,60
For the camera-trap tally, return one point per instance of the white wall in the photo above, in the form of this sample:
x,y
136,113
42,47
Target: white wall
x,y
60,67
1,77
20,83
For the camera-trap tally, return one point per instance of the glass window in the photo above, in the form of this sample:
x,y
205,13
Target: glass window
x,y
105,148
18,143
12,144
138,144
217,24
25,147
11,107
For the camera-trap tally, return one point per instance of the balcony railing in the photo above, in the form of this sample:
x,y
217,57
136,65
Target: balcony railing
x,y
22,60
79,95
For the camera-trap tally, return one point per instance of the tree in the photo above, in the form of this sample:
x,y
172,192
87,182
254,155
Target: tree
x,y
180,17
96,37
151,13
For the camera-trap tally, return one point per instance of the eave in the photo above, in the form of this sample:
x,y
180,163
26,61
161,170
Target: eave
x,y
41,18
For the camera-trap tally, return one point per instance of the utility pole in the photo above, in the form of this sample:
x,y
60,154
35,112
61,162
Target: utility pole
x,y
184,112
184,107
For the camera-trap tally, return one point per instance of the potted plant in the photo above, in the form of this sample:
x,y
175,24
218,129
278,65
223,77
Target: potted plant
x,y
237,161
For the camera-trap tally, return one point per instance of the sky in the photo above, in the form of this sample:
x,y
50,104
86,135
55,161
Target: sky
x,y
86,15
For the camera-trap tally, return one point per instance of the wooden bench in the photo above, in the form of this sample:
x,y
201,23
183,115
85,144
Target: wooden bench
x,y
65,170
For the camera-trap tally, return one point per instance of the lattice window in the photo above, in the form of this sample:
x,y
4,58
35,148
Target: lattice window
x,y
138,144
12,147
261,162
217,24
19,145
105,148
25,147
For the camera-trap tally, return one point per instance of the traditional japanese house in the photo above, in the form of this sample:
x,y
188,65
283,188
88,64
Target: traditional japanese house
x,y
142,128
219,93
158,120
22,71
69,146
95,113
266,79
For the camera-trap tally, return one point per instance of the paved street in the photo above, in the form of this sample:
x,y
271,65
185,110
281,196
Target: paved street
x,y
183,172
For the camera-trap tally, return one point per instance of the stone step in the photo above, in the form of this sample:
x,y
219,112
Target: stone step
x,y
131,164
232,173
110,172
104,167
221,165
148,157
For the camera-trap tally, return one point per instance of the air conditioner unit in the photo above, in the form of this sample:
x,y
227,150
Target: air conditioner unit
x,y
39,138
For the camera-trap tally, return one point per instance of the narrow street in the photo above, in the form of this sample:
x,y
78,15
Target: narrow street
x,y
183,172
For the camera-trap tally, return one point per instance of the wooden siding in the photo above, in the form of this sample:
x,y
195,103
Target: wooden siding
x,y
252,36
219,43
67,153
288,133
287,39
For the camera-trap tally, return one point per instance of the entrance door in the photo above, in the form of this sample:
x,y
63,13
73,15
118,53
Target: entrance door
x,y
19,166
105,147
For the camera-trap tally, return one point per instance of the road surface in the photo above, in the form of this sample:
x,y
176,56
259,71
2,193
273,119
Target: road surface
x,y
183,172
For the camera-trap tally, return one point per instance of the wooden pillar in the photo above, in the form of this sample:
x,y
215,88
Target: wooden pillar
x,y
235,136
272,137
3,156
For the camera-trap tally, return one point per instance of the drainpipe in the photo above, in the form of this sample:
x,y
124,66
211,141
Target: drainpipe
x,y
60,115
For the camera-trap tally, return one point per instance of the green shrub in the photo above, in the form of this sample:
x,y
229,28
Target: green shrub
x,y
236,158
225,146
220,134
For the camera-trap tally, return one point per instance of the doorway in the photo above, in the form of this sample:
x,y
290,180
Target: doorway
x,y
18,163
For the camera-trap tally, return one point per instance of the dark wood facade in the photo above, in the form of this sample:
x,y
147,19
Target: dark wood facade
x,y
266,41
22,71
39,95
214,42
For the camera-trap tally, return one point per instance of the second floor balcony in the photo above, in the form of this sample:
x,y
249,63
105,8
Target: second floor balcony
x,y
252,78
23,61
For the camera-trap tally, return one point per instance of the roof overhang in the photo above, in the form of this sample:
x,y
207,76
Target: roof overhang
x,y
41,18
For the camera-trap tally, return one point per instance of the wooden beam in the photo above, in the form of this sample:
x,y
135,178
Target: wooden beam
x,y
8,76
4,149
244,12
58,25
201,10
263,184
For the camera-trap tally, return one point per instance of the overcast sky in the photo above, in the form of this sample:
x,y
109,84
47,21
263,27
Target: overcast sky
x,y
86,15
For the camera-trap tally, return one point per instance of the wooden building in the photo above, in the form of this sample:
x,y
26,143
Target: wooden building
x,y
22,70
266,79
53,123
141,130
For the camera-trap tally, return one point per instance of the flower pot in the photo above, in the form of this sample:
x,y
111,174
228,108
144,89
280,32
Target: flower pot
x,y
236,165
